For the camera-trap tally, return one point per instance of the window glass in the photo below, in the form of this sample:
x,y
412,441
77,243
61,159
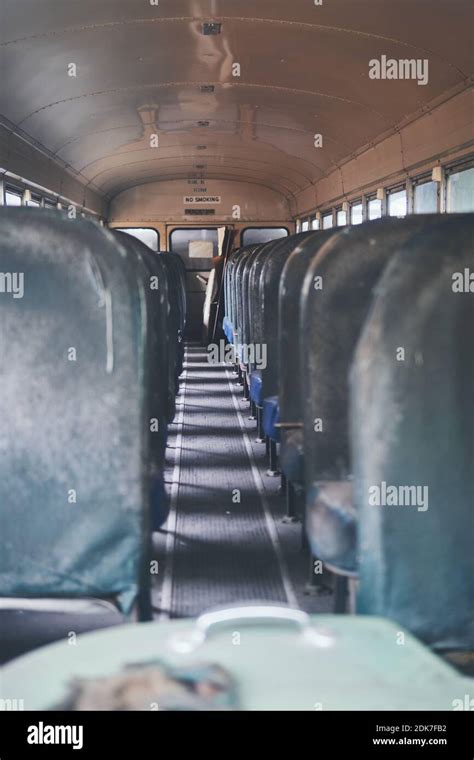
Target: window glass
x,y
12,198
356,213
397,203
327,221
146,235
374,207
34,202
426,198
257,235
341,218
305,226
196,246
461,190
49,204
315,224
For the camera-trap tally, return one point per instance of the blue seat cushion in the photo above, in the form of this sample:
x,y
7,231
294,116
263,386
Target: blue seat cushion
x,y
256,387
228,329
271,416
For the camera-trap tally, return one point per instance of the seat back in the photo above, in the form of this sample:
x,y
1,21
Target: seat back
x,y
269,287
334,308
245,294
412,432
254,305
155,280
290,391
238,298
74,408
177,316
230,292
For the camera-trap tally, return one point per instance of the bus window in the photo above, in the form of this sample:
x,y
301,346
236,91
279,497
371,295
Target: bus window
x,y
397,202
196,246
461,190
315,224
341,218
327,221
35,202
375,208
12,197
356,213
305,226
258,235
426,198
146,235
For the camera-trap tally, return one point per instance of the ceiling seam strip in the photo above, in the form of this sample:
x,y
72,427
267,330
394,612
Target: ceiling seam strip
x,y
221,85
226,19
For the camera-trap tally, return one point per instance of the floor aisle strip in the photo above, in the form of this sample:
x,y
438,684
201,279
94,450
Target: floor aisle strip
x,y
170,526
270,523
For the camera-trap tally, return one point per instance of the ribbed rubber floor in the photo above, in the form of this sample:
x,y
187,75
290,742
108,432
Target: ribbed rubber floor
x,y
223,552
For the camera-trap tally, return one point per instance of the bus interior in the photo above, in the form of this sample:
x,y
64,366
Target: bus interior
x,y
236,365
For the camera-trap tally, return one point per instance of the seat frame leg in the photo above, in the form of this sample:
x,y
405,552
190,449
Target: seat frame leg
x,y
246,396
253,411
273,470
260,434
291,513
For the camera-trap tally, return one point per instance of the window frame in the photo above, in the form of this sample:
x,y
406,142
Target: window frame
x,y
12,190
153,229
370,198
356,202
425,179
454,168
339,210
214,228
326,215
257,227
398,188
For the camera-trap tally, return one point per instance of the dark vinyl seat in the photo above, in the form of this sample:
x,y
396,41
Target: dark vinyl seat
x,y
349,267
290,391
177,316
75,407
231,293
161,381
412,422
255,327
271,418
245,295
269,285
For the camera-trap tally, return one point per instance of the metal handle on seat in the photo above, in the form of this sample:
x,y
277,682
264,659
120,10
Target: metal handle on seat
x,y
246,615
210,622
